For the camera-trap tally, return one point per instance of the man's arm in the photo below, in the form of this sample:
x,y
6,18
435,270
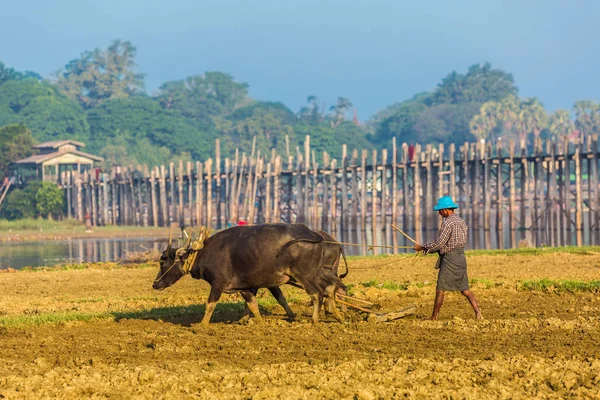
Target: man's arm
x,y
440,241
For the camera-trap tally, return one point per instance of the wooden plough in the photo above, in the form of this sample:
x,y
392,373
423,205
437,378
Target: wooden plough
x,y
373,316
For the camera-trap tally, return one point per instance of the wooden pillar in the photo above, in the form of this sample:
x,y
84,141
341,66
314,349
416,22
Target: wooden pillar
x,y
209,195
578,198
384,188
567,194
200,221
315,192
487,194
334,192
467,185
326,204
172,200
394,185
363,190
345,211
94,201
594,194
431,218
417,193
452,174
153,198
405,188
476,207
374,200
277,187
180,209
524,186
163,196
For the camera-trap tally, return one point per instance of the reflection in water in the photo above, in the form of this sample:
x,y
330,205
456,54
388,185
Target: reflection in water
x,y
358,242
47,253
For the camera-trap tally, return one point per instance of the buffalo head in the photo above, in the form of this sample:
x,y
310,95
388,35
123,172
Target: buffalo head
x,y
173,261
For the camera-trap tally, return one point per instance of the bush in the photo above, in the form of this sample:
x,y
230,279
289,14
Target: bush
x,y
37,199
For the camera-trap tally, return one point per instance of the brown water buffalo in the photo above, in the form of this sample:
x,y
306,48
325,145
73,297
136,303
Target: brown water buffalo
x,y
245,258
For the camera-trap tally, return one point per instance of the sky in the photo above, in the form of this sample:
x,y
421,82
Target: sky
x,y
374,52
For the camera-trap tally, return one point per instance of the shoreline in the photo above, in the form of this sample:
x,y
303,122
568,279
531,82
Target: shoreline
x,y
80,233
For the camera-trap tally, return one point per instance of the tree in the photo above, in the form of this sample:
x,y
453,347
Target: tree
x,y
16,142
561,124
400,124
203,96
339,111
511,118
143,118
480,84
49,115
37,199
269,122
313,113
49,200
533,117
587,117
101,75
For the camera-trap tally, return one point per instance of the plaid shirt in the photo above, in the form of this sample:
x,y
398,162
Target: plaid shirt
x,y
453,234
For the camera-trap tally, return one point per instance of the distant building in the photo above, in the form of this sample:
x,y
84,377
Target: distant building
x,y
52,159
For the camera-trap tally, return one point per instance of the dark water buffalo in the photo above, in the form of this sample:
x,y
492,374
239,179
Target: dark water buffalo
x,y
168,258
245,258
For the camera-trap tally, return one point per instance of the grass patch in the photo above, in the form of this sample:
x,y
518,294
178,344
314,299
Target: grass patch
x,y
390,285
548,286
50,318
33,224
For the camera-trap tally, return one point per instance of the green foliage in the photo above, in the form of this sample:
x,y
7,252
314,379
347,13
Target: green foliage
x,y
49,200
101,75
203,96
548,285
37,199
49,115
141,118
480,84
269,122
15,143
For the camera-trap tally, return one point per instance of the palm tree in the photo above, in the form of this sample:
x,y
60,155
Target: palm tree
x,y
534,113
561,124
587,117
340,110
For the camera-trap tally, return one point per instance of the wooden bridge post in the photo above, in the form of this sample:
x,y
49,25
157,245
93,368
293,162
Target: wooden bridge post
x,y
499,195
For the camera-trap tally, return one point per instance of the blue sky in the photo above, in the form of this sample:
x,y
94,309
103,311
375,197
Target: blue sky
x,y
375,52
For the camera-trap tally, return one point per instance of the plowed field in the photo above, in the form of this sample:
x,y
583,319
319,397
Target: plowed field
x,y
103,332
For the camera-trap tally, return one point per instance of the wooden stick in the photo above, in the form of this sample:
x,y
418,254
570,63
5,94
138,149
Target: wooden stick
x,y
405,235
353,306
354,298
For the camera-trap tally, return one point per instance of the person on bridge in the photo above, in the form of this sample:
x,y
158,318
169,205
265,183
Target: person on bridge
x,y
452,263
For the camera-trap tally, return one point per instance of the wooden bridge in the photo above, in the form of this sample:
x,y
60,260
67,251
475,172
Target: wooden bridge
x,y
549,193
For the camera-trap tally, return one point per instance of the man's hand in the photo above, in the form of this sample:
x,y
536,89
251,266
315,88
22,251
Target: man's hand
x,y
418,247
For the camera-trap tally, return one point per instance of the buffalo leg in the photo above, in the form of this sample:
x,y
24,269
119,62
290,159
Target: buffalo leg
x,y
278,294
246,315
317,300
252,304
213,297
331,290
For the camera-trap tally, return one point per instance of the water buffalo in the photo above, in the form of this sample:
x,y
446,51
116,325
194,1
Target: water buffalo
x,y
168,258
244,258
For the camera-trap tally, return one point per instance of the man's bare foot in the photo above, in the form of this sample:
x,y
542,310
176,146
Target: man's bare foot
x,y
479,316
432,318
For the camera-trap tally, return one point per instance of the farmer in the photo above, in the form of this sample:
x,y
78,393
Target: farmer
x,y
452,263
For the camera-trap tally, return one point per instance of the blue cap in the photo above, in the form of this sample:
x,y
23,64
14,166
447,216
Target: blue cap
x,y
444,203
